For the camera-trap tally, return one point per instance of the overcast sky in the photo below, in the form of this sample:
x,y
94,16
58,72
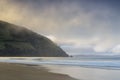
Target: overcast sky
x,y
78,26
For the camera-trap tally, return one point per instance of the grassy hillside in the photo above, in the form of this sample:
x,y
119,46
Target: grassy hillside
x,y
19,41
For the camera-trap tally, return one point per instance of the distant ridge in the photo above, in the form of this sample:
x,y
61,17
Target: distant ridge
x,y
21,42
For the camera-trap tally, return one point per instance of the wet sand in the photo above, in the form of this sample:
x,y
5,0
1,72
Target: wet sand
x,y
10,71
85,73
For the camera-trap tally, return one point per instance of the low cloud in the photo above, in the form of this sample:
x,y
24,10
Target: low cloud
x,y
75,27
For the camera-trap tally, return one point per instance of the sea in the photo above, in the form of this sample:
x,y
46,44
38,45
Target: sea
x,y
78,67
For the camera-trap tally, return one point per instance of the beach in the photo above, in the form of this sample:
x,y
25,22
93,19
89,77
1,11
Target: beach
x,y
58,69
11,71
86,73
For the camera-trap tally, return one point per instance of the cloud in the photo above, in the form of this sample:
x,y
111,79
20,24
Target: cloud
x,y
51,37
77,26
116,49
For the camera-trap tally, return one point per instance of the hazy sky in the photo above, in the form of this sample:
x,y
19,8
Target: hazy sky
x,y
78,26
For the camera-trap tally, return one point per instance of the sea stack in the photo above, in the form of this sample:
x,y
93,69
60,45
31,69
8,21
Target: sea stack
x,y
16,41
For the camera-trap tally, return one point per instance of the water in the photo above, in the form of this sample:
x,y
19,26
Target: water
x,y
75,61
71,61
84,68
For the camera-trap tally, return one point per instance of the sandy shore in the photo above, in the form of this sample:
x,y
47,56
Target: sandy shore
x,y
21,72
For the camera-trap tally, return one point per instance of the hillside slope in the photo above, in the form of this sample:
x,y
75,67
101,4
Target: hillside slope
x,y
19,41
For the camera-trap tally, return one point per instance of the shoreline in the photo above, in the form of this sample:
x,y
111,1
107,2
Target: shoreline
x,y
13,71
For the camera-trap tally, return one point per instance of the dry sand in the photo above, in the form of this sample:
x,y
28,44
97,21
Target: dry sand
x,y
21,72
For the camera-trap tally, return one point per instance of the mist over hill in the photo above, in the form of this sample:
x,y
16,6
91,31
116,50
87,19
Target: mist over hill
x,y
19,41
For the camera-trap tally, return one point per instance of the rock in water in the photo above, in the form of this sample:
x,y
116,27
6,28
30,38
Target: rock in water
x,y
19,41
